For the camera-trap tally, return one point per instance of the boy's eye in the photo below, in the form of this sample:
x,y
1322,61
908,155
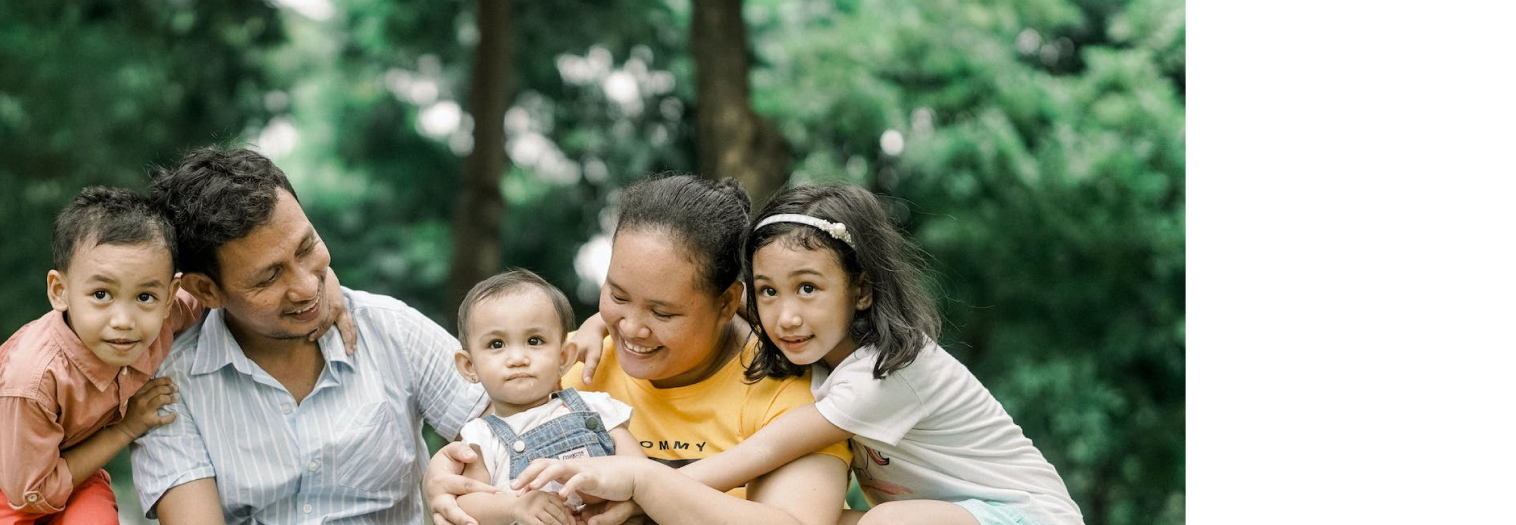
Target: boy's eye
x,y
535,341
496,344
101,295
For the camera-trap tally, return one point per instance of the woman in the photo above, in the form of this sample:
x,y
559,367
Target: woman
x,y
676,352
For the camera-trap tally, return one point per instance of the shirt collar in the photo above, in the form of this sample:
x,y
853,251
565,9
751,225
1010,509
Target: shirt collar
x,y
217,348
98,372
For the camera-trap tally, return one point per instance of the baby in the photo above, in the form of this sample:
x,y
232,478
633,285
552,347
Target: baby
x,y
512,327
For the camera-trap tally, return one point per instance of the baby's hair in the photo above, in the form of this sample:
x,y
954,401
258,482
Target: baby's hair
x,y
506,283
706,218
215,196
114,216
902,317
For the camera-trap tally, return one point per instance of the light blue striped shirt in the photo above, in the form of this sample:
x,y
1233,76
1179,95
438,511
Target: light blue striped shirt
x,y
350,452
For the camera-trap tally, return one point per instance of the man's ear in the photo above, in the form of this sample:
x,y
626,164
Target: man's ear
x,y
203,288
465,366
865,295
57,290
730,300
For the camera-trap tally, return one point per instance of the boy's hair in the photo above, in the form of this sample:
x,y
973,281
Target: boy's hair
x,y
215,196
108,216
706,218
507,283
902,318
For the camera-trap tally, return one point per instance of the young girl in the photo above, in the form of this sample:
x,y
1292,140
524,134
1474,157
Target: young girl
x,y
834,285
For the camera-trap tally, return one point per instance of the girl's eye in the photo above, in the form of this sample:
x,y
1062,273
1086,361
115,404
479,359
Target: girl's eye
x,y
101,295
146,297
496,344
768,291
807,288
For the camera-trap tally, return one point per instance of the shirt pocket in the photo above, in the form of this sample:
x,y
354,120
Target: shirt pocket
x,y
370,454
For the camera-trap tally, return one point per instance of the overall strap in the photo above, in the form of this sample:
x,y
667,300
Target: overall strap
x,y
501,430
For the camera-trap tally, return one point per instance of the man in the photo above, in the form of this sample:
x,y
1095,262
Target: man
x,y
272,427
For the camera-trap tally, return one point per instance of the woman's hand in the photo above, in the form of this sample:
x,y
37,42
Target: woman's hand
x,y
612,478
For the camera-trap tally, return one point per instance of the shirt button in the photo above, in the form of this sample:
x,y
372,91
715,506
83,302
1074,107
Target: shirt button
x,y
286,408
31,498
315,466
519,446
307,508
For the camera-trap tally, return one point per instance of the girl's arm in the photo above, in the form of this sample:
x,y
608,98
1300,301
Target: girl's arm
x,y
807,491
796,433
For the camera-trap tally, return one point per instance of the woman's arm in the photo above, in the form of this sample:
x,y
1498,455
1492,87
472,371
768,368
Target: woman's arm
x,y
586,344
796,433
195,502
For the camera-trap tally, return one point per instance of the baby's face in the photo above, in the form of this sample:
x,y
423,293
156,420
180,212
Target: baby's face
x,y
116,297
515,349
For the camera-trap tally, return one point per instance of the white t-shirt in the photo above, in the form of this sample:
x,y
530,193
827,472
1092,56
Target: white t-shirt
x,y
497,454
932,431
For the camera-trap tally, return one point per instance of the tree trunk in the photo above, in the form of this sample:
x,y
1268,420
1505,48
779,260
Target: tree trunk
x,y
733,140
480,206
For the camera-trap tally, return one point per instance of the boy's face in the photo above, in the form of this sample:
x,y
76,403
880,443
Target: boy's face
x,y
515,348
116,297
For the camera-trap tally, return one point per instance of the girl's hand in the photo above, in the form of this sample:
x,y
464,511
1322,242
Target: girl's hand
x,y
142,409
611,478
587,344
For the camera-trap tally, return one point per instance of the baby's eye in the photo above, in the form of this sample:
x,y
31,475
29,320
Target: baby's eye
x,y
496,344
101,295
535,341
807,288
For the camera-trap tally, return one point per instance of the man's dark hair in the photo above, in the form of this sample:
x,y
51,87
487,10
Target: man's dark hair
x,y
100,215
215,196
506,283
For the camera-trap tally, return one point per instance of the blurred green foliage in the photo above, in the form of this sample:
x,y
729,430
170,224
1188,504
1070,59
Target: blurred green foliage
x,y
1035,148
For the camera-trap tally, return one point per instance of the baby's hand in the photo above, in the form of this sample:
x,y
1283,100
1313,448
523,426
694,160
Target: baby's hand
x,y
142,409
542,508
587,343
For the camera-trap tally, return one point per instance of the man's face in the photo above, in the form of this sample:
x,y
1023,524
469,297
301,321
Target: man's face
x,y
272,279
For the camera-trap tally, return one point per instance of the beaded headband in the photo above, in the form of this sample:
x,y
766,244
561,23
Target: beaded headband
x,y
835,229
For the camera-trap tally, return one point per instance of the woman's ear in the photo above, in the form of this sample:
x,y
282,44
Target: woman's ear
x,y
57,290
465,366
203,288
865,292
730,300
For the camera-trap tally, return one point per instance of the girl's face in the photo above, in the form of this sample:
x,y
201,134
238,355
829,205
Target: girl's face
x,y
667,329
806,302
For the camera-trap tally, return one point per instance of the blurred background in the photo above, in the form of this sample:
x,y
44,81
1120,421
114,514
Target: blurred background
x,y
1035,148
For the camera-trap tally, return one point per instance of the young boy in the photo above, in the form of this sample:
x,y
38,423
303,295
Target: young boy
x,y
512,327
74,384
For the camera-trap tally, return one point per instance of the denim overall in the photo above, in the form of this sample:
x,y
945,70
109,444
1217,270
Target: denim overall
x,y
581,428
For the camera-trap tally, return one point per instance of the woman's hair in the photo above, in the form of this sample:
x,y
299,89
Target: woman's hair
x,y
902,318
509,282
706,218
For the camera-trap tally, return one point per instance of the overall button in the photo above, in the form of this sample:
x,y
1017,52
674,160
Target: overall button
x,y
519,446
592,423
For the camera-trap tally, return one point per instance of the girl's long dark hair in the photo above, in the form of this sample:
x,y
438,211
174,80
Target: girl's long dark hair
x,y
902,319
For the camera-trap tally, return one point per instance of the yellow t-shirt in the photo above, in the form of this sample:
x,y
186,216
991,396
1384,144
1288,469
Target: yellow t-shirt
x,y
680,425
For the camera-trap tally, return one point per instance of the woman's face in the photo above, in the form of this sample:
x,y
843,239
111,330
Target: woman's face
x,y
667,329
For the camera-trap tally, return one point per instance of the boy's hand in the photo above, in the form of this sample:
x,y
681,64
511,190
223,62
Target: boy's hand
x,y
339,315
542,508
142,409
587,345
